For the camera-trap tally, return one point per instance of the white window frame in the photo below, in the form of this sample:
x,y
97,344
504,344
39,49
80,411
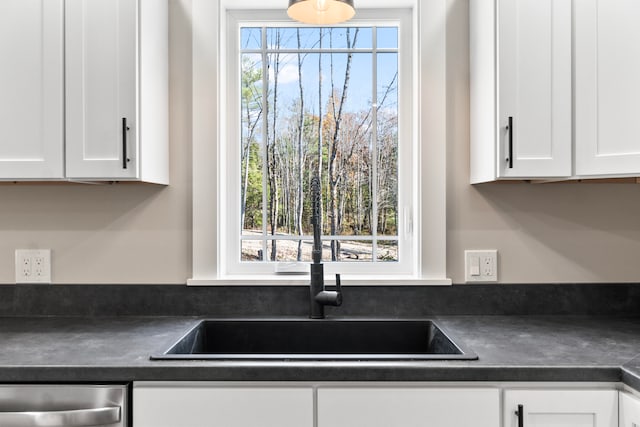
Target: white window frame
x,y
210,127
231,264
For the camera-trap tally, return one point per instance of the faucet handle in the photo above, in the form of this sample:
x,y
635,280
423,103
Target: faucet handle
x,y
326,297
338,291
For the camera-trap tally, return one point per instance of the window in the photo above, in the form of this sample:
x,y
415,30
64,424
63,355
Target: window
x,y
303,115
292,102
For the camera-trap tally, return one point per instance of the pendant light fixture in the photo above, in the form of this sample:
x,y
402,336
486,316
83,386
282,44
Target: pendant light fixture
x,y
321,12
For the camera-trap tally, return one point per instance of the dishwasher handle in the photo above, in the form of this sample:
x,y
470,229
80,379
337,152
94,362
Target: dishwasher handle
x,y
74,418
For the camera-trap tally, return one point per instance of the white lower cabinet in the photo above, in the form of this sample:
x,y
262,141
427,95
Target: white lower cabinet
x,y
408,407
216,404
192,405
629,410
560,408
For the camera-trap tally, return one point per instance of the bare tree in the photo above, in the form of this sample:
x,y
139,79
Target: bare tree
x,y
336,143
334,175
271,152
252,105
320,121
300,203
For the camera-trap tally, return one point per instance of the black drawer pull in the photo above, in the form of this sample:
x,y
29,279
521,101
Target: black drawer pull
x,y
520,414
510,129
125,128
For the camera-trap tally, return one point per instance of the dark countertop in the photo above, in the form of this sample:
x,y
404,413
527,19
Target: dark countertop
x,y
510,348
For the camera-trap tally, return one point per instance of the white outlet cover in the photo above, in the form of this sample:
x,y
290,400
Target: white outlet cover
x,y
491,255
33,266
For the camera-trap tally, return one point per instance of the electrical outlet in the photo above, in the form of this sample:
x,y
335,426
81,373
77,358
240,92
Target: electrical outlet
x,y
23,266
33,266
481,266
486,266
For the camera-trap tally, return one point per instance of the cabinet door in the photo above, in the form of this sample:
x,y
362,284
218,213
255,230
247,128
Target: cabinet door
x,y
629,410
101,40
562,408
534,75
607,87
408,407
208,406
31,89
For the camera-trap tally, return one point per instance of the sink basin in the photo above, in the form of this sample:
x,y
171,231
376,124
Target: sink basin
x,y
316,340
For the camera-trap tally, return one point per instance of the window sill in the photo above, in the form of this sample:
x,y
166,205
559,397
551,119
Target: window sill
x,y
303,280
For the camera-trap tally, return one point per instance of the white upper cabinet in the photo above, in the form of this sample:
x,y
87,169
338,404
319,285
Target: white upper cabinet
x,y
116,90
31,89
521,124
534,71
101,88
560,408
579,120
84,90
607,87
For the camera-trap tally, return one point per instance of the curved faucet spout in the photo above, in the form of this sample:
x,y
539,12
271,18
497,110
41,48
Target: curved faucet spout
x,y
319,296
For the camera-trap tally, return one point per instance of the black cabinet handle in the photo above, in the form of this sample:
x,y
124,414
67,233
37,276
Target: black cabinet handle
x,y
520,414
125,128
510,129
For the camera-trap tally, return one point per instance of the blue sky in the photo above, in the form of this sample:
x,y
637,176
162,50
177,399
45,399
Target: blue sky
x,y
360,85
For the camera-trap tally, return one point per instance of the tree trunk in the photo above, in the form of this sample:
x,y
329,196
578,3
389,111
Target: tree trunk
x,y
246,155
300,155
320,136
271,161
334,175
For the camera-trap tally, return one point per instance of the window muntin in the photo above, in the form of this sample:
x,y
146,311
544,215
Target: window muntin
x,y
357,145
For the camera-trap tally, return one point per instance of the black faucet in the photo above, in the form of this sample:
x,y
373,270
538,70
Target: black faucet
x,y
319,297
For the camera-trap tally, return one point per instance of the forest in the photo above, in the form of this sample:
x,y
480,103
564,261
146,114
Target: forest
x,y
318,102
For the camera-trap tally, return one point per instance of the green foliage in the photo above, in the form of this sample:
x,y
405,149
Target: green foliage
x,y
253,209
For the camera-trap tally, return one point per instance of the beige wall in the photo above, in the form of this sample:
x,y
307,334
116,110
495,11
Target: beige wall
x,y
544,233
127,233
142,234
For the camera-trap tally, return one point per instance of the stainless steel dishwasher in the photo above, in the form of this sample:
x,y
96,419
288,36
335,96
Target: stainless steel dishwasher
x,y
63,405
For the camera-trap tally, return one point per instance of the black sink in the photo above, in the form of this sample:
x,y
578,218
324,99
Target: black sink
x,y
316,340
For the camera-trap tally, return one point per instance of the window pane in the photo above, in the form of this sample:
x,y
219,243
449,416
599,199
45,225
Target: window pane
x,y
251,144
387,37
349,38
250,38
356,251
359,88
287,250
332,38
387,251
387,81
251,251
287,38
387,144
